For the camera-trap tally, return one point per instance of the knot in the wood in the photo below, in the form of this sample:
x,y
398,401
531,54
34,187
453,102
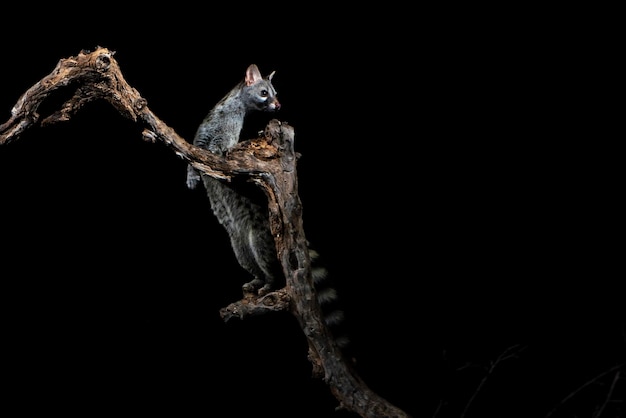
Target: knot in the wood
x,y
140,104
103,62
270,299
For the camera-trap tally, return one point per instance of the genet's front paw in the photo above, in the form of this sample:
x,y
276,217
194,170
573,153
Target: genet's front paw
x,y
192,181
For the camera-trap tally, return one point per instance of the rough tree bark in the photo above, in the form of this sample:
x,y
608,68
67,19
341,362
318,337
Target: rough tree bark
x,y
269,161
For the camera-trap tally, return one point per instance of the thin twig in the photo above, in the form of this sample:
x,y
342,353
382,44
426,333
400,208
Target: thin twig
x,y
440,406
510,352
583,386
608,397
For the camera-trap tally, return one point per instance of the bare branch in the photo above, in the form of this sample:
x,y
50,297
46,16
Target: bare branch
x,y
582,387
509,353
269,161
252,305
608,397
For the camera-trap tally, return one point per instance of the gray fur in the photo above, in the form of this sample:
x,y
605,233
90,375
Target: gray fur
x,y
242,211
240,207
220,129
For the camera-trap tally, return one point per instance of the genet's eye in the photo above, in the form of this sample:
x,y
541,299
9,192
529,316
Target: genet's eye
x,y
264,93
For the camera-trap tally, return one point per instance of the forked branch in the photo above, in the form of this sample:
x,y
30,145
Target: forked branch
x,y
270,161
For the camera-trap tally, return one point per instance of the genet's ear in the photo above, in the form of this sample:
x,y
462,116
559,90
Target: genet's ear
x,y
269,77
253,75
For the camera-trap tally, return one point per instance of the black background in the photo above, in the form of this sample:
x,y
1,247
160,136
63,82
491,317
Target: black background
x,y
458,204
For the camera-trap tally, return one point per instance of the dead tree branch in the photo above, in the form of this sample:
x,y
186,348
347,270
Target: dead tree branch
x,y
510,352
573,394
269,161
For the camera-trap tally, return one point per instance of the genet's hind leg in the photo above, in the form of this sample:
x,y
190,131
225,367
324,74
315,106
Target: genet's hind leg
x,y
245,257
255,285
263,250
